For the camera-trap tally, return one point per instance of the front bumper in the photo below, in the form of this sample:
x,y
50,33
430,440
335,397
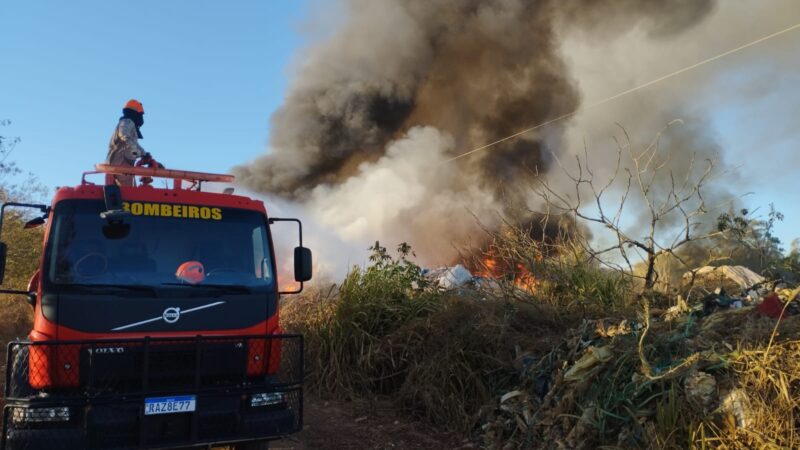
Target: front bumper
x,y
104,414
217,419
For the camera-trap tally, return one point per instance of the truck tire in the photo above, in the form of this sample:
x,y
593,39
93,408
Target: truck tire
x,y
261,445
20,386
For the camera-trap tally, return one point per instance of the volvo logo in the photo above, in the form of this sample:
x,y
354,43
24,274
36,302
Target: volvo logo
x,y
171,315
105,350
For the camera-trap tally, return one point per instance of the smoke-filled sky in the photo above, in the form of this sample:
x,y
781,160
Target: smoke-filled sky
x,y
400,86
339,111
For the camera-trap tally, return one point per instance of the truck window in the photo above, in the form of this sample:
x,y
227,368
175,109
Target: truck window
x,y
231,244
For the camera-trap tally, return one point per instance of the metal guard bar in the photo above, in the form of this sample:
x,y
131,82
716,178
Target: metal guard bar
x,y
103,384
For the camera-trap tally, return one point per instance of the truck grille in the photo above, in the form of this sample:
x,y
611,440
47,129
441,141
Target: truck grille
x,y
170,366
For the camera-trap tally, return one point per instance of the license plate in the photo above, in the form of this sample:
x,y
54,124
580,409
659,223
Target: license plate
x,y
169,405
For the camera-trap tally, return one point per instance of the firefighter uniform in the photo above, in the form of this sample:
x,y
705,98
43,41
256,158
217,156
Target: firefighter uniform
x,y
124,148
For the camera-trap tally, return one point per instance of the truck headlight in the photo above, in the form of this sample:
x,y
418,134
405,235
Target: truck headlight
x,y
267,399
38,415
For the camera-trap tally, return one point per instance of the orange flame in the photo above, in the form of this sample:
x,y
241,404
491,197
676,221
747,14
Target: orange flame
x,y
492,267
525,280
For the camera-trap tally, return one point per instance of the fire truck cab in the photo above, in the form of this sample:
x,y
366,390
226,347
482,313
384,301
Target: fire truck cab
x,y
155,320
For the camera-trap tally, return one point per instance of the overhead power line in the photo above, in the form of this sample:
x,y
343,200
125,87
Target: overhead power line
x,y
628,91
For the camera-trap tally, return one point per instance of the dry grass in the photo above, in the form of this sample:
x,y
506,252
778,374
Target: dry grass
x,y
770,380
16,315
438,356
444,368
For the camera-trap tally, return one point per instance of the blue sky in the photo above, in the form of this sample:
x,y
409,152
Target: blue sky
x,y
210,73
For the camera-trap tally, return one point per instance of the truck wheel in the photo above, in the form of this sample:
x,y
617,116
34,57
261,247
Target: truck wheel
x,y
263,445
20,386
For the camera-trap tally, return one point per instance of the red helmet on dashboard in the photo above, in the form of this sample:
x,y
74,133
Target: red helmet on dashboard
x,y
191,272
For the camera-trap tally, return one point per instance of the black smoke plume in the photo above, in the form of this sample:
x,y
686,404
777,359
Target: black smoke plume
x,y
405,84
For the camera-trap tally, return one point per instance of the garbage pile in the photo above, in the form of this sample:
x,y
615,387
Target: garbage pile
x,y
459,277
446,278
773,298
723,372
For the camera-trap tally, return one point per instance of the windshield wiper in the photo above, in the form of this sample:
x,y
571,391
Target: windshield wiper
x,y
113,288
222,288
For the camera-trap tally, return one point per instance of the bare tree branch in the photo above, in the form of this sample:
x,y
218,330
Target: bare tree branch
x,y
662,194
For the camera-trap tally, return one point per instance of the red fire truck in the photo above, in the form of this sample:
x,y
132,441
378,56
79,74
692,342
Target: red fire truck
x,y
155,320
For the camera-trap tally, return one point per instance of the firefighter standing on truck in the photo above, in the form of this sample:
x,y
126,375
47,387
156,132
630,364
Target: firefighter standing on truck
x,y
124,148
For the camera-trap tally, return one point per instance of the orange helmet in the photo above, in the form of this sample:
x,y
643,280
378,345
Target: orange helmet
x,y
191,272
135,105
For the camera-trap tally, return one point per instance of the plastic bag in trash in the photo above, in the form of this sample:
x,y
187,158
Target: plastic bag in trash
x,y
772,306
449,277
583,367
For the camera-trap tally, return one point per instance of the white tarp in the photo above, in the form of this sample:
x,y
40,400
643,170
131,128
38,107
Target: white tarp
x,y
742,276
449,277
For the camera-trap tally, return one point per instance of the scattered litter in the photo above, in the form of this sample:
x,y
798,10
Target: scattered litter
x,y
772,306
622,328
487,284
680,308
700,388
510,395
583,367
719,299
738,405
756,293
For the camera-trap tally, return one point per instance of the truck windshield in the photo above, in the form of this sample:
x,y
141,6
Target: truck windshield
x,y
158,245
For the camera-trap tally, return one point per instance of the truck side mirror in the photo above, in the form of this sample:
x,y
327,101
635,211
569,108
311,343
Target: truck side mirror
x,y
3,252
114,212
302,264
302,257
36,222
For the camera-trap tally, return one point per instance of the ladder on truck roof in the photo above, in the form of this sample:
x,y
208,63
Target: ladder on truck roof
x,y
147,174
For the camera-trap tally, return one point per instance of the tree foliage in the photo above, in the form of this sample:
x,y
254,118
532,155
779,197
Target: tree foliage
x,y
24,245
750,240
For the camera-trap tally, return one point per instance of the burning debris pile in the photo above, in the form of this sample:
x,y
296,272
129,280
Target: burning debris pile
x,y
490,276
581,361
492,266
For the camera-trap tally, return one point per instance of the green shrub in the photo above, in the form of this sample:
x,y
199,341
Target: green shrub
x,y
343,333
583,283
385,332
